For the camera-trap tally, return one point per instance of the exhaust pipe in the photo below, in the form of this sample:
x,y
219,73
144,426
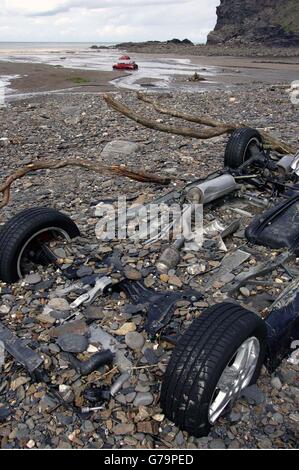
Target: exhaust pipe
x,y
285,165
212,189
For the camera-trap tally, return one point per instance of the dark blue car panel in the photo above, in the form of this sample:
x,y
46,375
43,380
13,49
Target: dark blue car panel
x,y
283,326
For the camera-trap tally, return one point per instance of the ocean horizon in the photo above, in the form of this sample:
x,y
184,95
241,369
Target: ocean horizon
x,y
80,56
19,45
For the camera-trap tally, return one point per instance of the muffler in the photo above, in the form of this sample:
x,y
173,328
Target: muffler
x,y
289,164
213,189
285,165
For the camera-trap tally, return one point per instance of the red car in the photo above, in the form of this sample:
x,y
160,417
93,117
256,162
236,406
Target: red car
x,y
125,63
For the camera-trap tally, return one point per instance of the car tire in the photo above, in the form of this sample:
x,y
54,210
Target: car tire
x,y
238,147
22,228
199,359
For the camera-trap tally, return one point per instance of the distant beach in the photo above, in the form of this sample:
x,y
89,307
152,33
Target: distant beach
x,y
34,68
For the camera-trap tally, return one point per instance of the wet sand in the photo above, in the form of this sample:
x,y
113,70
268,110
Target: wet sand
x,y
228,71
42,78
241,70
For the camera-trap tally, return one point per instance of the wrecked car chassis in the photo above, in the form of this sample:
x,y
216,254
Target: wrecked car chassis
x,y
247,341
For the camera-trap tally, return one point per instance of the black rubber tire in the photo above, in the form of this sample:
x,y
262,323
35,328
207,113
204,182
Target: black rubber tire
x,y
198,360
17,231
236,150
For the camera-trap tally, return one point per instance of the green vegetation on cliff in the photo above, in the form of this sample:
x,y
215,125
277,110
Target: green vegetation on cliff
x,y
288,16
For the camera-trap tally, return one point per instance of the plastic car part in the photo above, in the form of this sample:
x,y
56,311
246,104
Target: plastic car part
x,y
19,350
93,363
220,354
228,264
243,144
278,227
260,270
159,305
101,285
22,236
97,394
283,325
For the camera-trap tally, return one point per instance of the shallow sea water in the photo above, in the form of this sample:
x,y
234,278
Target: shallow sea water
x,y
156,74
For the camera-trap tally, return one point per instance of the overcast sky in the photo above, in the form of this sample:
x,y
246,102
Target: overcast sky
x,y
106,20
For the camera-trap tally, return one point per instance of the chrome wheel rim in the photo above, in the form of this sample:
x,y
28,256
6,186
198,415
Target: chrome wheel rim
x,y
57,230
235,377
253,141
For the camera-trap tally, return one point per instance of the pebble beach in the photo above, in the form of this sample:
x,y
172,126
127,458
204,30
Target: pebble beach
x,y
76,122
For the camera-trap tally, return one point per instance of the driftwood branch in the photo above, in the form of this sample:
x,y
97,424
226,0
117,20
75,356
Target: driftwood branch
x,y
218,127
89,165
270,141
206,121
279,146
185,131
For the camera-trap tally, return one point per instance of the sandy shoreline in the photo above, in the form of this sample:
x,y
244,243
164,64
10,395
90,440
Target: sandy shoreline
x,y
39,78
233,70
42,78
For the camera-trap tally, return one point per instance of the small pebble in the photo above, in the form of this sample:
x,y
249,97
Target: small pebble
x,y
276,383
244,291
143,399
58,304
32,279
134,340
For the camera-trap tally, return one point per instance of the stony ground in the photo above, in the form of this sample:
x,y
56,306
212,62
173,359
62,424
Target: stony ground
x,y
35,415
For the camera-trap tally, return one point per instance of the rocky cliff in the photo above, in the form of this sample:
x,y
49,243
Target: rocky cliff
x,y
272,22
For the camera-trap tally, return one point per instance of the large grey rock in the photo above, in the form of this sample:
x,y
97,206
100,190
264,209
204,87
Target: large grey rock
x,y
143,399
117,148
73,343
